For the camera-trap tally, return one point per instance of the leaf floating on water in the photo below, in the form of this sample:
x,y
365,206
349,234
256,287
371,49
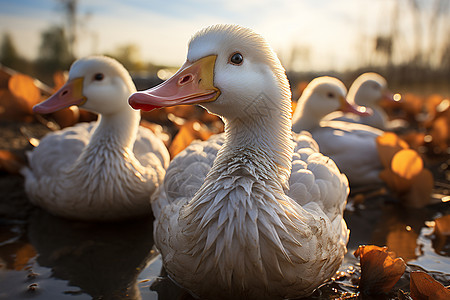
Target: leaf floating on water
x,y
10,162
441,235
424,287
380,269
407,164
388,145
404,171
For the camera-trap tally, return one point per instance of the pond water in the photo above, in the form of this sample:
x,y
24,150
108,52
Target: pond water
x,y
46,257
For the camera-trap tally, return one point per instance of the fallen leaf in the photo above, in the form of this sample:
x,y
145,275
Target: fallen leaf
x,y
380,270
26,92
424,287
388,144
158,130
407,164
441,235
10,162
440,132
59,79
67,117
189,131
4,78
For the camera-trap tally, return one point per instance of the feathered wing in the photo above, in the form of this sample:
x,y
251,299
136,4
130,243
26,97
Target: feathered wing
x,y
186,173
56,151
353,149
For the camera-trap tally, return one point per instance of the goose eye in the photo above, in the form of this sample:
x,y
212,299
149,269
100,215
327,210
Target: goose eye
x,y
330,95
236,59
99,76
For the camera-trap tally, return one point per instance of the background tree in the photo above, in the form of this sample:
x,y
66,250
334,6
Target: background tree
x,y
54,53
10,57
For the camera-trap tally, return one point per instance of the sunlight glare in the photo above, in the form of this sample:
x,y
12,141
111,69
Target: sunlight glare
x,y
397,97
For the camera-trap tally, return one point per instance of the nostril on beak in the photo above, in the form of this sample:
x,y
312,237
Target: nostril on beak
x,y
64,92
185,79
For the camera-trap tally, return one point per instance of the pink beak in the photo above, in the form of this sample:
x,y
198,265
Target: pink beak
x,y
69,94
192,84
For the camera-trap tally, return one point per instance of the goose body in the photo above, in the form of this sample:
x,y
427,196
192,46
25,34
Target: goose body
x,y
352,146
99,171
368,90
254,213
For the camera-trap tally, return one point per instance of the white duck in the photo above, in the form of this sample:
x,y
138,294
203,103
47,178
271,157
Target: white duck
x,y
235,230
352,146
104,170
368,90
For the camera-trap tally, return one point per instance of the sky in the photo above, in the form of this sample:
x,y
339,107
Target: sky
x,y
331,31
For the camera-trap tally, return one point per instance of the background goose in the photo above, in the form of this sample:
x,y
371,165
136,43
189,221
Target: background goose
x,y
103,170
235,230
369,90
351,145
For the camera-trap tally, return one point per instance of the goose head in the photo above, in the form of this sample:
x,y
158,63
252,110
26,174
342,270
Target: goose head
x,y
369,89
322,96
97,83
230,70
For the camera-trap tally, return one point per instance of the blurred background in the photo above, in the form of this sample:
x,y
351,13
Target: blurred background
x,y
407,41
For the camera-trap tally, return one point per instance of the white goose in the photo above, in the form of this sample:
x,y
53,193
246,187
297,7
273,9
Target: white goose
x,y
235,230
368,90
104,170
352,146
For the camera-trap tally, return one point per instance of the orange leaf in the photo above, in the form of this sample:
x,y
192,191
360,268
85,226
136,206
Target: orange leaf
x,y
66,117
424,287
189,131
59,79
442,226
10,162
407,163
441,234
419,191
388,144
23,87
184,137
380,270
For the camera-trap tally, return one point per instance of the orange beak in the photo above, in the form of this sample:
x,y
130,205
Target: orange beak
x,y
69,94
358,110
192,84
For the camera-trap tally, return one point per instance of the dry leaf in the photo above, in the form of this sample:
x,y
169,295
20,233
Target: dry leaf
x,y
407,164
424,287
4,78
380,270
59,79
26,92
388,144
158,130
10,162
188,132
67,117
440,132
441,235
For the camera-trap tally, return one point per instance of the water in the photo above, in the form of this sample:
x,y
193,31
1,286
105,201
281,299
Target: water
x,y
49,258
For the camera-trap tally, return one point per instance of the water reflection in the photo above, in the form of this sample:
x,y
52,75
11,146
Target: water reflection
x,y
103,260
